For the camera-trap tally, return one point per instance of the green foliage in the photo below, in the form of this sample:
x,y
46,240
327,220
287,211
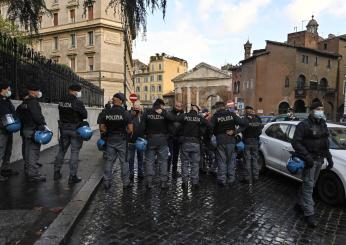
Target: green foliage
x,y
10,29
25,11
135,11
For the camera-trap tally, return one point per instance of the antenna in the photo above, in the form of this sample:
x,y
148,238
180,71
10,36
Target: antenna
x,y
295,28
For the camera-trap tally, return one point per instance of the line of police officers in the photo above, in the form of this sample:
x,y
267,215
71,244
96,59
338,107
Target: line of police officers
x,y
119,129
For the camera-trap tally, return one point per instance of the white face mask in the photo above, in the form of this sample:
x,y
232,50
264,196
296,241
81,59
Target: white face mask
x,y
39,94
8,93
79,94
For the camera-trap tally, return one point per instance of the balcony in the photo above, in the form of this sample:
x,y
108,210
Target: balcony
x,y
314,90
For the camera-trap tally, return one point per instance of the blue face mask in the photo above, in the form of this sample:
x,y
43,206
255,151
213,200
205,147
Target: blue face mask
x,y
319,114
8,93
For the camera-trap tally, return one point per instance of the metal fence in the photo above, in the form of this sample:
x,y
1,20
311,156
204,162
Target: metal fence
x,y
21,65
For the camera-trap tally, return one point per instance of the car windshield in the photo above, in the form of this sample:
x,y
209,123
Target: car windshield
x,y
337,139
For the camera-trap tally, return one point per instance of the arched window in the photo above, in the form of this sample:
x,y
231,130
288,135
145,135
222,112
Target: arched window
x,y
301,82
323,83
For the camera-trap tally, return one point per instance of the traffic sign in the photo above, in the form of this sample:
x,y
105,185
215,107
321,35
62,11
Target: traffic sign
x,y
133,98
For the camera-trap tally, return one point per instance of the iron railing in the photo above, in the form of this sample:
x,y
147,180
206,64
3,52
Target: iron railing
x,y
21,65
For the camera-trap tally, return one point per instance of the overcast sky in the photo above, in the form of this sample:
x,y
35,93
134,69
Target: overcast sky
x,y
214,31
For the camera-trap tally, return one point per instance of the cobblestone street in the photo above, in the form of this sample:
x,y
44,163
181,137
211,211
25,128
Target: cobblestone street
x,y
209,215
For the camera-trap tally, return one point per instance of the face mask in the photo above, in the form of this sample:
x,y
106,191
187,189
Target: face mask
x,y
319,114
8,93
79,94
39,94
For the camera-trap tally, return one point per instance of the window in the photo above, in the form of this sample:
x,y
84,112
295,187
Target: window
x,y
158,88
178,70
159,77
151,78
325,46
90,38
152,67
329,64
305,59
40,45
72,16
55,1
91,63
287,82
146,79
145,97
160,67
152,88
55,19
40,22
316,61
138,89
138,79
73,63
145,89
278,131
55,59
291,133
139,97
73,40
56,43
90,12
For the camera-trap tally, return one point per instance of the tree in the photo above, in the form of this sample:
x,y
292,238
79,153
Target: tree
x,y
10,29
134,11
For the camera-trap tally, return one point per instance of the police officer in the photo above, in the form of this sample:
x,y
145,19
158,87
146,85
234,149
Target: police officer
x,y
310,142
193,128
155,127
137,132
115,124
251,136
224,125
173,141
6,138
291,116
71,114
32,119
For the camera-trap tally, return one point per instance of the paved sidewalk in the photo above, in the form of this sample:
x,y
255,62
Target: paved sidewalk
x,y
27,209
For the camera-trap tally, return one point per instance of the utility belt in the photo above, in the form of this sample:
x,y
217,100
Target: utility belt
x,y
189,139
67,126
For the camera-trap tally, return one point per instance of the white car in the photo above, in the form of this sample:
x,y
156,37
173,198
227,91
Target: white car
x,y
275,151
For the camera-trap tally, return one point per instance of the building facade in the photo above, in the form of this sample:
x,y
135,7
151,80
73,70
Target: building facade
x,y
93,42
204,85
287,74
154,80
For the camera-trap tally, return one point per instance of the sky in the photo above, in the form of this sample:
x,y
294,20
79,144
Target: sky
x,y
214,31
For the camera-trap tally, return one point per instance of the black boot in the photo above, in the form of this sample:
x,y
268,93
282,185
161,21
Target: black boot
x,y
57,175
36,178
311,221
74,180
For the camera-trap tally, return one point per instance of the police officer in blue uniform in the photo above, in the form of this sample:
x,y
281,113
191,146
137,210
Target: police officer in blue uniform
x,y
6,138
71,114
224,125
115,125
155,127
32,119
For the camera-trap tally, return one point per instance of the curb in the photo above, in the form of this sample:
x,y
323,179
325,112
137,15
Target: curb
x,y
62,227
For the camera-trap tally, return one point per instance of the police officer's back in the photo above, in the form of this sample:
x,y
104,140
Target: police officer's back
x,y
224,125
115,125
71,114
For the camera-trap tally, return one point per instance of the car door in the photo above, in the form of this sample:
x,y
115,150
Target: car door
x,y
274,141
288,147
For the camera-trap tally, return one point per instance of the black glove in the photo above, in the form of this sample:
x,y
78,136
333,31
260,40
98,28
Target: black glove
x,y
330,163
104,136
309,164
41,128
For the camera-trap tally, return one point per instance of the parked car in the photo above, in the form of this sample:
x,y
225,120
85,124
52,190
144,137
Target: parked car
x,y
275,151
281,117
265,119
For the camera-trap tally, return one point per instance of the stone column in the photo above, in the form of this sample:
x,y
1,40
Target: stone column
x,y
188,94
178,94
197,96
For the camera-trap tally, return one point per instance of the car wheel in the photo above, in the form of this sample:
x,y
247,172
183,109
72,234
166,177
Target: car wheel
x,y
262,163
330,188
